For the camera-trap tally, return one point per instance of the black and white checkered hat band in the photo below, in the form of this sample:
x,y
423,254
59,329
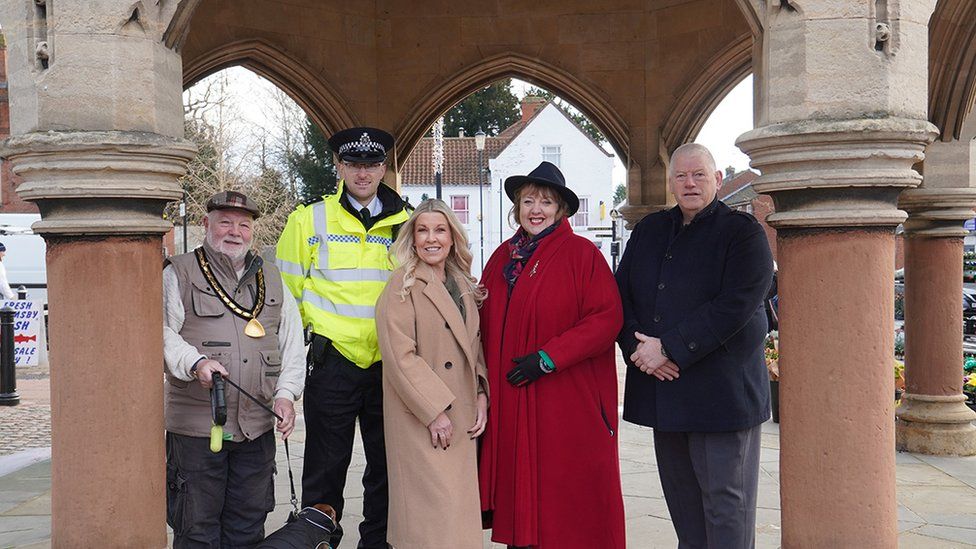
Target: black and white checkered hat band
x,y
365,144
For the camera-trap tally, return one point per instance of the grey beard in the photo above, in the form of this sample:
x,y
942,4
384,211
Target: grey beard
x,y
220,248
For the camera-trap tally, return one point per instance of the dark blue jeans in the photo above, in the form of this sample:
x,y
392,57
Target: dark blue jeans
x,y
218,501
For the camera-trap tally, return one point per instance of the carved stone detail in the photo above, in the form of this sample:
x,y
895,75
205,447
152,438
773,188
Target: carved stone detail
x,y
937,212
100,182
866,163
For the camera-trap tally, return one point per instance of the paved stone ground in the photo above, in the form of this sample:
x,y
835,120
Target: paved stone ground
x,y
936,496
28,424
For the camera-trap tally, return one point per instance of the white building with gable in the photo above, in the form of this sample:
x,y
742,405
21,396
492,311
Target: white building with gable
x,y
545,132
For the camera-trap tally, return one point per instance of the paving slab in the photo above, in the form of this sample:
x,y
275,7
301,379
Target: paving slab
x,y
936,495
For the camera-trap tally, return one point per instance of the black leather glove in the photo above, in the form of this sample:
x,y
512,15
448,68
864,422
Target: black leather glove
x,y
528,368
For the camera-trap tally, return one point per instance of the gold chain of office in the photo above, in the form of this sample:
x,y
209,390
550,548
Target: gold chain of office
x,y
253,328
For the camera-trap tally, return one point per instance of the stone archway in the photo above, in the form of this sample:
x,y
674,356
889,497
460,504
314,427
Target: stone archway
x,y
699,99
436,101
952,66
324,104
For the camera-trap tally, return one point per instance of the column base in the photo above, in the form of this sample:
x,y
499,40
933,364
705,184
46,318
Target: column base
x,y
935,425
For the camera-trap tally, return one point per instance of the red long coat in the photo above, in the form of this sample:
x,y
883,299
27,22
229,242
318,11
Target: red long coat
x,y
549,469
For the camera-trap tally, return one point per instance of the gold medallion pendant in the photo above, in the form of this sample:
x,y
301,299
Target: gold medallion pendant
x,y
253,328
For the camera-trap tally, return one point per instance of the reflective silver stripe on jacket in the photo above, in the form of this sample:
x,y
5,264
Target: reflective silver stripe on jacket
x,y
321,231
288,267
352,311
351,275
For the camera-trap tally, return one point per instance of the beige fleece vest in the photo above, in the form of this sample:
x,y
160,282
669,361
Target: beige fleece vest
x,y
218,333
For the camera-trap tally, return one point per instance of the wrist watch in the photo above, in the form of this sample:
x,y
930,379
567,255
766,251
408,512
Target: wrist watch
x,y
665,352
193,369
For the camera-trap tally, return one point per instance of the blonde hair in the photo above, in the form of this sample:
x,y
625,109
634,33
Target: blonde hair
x,y
543,191
458,264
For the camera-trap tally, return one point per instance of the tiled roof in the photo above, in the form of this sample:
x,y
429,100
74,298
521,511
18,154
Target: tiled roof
x,y
744,195
738,180
460,160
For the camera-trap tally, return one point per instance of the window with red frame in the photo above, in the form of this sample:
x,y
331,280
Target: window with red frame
x,y
459,203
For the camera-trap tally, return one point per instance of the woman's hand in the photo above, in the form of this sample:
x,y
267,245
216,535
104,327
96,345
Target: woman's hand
x,y
482,416
441,430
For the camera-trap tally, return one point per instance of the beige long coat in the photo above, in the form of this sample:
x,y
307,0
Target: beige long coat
x,y
432,360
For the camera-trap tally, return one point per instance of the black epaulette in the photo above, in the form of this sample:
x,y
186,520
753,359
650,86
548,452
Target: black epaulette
x,y
747,215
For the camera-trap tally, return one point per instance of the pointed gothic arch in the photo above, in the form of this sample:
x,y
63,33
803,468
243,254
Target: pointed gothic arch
x,y
696,103
324,104
437,100
952,66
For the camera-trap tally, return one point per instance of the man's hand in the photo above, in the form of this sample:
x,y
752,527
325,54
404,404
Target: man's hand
x,y
205,370
286,409
650,359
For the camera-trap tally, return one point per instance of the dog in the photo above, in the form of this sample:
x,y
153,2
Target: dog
x,y
311,530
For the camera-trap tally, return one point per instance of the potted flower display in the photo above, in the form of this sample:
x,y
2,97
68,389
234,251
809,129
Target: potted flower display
x,y
899,380
772,366
969,381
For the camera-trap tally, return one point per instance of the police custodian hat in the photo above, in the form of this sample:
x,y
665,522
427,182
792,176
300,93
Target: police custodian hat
x,y
363,145
233,200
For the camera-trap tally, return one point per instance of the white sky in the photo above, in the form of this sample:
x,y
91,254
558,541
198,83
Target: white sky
x,y
731,118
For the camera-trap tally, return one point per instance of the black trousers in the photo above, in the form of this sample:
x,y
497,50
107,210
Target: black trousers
x,y
710,483
218,500
337,392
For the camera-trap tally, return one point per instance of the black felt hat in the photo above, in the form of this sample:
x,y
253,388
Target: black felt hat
x,y
363,145
548,175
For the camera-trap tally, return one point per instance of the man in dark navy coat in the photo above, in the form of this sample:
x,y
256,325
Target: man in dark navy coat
x,y
692,280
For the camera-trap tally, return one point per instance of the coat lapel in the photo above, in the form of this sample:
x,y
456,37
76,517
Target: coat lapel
x,y
437,293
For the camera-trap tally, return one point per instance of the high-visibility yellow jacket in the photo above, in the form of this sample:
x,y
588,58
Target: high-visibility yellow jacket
x,y
336,269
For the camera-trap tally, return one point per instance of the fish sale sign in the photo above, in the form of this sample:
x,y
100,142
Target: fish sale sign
x,y
27,329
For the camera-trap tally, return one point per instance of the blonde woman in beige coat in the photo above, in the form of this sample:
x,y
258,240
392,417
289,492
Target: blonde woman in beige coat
x,y
435,401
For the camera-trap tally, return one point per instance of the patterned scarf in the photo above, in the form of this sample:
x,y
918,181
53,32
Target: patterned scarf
x,y
521,247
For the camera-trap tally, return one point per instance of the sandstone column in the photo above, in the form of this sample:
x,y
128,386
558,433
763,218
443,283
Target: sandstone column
x,y
842,124
933,417
96,121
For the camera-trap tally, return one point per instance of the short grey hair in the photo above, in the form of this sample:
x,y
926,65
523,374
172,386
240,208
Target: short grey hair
x,y
692,149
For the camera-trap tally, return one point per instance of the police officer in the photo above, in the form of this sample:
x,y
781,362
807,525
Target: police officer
x,y
226,312
333,256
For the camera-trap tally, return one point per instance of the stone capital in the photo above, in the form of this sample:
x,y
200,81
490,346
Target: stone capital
x,y
99,182
937,212
837,173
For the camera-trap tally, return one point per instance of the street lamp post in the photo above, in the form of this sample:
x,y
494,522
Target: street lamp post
x,y
614,243
479,144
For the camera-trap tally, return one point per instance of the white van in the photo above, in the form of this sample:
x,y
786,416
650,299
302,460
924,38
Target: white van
x,y
26,255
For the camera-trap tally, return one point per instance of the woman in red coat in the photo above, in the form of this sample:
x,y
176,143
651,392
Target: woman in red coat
x,y
549,470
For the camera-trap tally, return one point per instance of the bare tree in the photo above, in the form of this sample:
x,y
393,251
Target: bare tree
x,y
233,155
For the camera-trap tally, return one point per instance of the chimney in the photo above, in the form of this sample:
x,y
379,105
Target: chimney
x,y
531,105
729,172
460,132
